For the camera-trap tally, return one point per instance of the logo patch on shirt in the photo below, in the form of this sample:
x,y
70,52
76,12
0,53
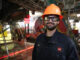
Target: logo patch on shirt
x,y
59,49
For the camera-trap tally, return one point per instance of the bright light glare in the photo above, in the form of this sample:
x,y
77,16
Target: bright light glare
x,y
78,26
71,22
8,26
78,15
36,13
21,24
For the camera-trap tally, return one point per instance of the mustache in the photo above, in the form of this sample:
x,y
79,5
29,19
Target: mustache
x,y
50,23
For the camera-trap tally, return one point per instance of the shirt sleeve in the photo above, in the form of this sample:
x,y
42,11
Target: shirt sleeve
x,y
72,51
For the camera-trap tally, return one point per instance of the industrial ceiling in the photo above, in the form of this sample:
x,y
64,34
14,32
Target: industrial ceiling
x,y
18,8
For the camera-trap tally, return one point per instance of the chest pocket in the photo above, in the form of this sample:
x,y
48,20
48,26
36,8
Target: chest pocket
x,y
58,49
60,52
50,50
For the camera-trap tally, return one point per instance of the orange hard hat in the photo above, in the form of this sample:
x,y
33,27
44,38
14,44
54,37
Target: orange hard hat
x,y
52,10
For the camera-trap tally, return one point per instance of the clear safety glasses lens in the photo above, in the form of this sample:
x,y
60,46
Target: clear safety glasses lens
x,y
54,19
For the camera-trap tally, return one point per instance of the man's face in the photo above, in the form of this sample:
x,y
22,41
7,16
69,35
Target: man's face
x,y
51,22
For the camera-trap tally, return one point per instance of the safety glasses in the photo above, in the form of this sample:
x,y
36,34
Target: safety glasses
x,y
52,18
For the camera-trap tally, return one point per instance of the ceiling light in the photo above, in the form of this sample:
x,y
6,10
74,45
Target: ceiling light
x,y
78,15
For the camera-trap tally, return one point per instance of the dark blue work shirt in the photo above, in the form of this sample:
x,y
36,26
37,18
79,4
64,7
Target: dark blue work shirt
x,y
57,47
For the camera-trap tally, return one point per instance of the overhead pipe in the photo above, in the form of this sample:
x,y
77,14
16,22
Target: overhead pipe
x,y
35,5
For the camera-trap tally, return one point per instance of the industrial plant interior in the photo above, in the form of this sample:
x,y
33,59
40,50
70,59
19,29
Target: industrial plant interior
x,y
21,23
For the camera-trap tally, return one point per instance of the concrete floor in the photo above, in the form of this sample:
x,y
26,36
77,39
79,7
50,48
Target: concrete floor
x,y
26,55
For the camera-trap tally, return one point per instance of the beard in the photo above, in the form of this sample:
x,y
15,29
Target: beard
x,y
51,27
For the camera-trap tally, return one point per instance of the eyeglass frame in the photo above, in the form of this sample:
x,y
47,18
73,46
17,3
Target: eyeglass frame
x,y
54,18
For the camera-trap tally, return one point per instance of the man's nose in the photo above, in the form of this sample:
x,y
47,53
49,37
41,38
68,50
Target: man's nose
x,y
50,20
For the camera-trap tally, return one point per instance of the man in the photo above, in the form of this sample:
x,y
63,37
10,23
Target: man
x,y
53,45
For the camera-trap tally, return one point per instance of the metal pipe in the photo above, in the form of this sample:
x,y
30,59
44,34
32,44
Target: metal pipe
x,y
64,2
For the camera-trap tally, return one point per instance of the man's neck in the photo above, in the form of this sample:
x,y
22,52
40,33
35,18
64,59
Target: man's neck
x,y
50,33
